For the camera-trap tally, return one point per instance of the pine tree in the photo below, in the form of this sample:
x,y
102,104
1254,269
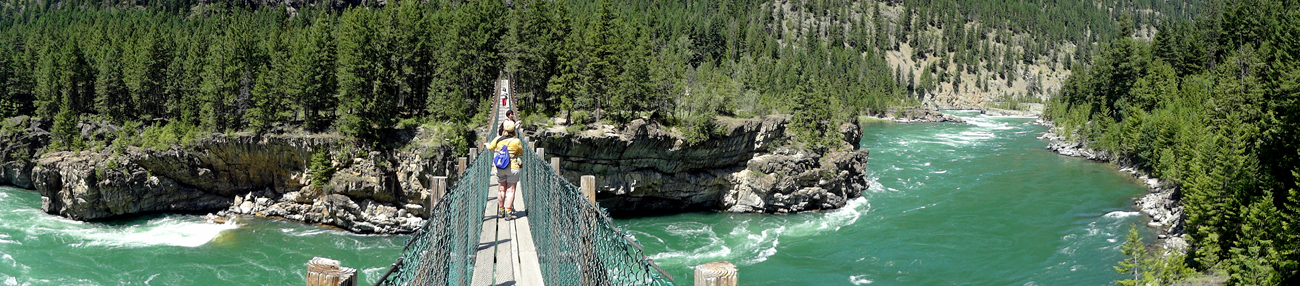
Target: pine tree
x,y
270,93
220,82
1135,254
309,74
65,134
363,76
15,81
143,74
810,122
111,98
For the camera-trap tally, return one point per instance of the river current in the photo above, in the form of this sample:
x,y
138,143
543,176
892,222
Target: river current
x,y
979,203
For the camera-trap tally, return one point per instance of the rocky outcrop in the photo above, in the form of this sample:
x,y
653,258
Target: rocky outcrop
x,y
1163,204
647,168
747,166
21,138
1073,148
916,115
349,213
90,186
790,181
266,175
1034,109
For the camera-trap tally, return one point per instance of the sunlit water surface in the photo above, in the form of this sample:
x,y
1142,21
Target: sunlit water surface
x,y
980,203
40,249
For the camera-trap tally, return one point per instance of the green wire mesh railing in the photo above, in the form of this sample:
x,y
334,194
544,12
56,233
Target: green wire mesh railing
x,y
577,243
444,250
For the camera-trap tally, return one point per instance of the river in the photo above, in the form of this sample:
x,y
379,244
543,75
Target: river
x,y
980,203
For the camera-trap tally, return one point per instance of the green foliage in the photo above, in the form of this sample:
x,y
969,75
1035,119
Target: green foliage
x,y
65,134
533,119
227,67
1135,251
1149,268
811,122
322,168
1208,105
408,123
700,128
458,137
580,117
163,137
366,90
575,128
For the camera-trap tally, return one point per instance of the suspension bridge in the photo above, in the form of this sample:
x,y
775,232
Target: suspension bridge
x,y
560,236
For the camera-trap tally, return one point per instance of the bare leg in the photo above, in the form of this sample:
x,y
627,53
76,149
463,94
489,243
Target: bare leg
x,y
510,195
501,194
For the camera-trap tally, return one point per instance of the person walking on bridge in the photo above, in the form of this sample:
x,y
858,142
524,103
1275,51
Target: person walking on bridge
x,y
510,118
508,177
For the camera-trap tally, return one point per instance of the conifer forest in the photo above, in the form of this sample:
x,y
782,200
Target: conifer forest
x,y
1203,93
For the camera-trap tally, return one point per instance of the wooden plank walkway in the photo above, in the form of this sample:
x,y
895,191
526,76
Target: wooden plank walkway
x,y
506,254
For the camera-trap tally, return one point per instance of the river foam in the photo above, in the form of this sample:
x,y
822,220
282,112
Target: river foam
x,y
174,230
860,280
1121,214
170,230
750,241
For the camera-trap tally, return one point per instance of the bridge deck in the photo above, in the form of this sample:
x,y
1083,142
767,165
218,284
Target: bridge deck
x,y
506,254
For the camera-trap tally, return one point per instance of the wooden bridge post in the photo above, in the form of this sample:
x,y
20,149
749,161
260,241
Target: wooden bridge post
x,y
473,154
541,155
326,272
719,273
555,165
461,164
438,190
589,187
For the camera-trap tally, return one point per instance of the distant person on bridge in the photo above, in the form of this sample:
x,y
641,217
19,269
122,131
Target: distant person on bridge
x,y
510,118
508,178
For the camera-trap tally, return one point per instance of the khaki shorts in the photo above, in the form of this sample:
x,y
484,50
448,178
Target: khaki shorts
x,y
508,175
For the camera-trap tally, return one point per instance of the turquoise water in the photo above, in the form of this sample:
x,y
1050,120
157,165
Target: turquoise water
x,y
40,249
973,204
980,203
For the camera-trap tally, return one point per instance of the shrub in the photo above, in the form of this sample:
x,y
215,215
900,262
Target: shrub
x,y
575,128
699,128
536,118
408,123
579,117
321,168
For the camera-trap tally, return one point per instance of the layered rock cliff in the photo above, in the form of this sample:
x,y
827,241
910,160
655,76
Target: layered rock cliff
x,y
20,138
264,175
747,168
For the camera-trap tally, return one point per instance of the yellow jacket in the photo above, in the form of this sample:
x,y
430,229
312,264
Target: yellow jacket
x,y
512,144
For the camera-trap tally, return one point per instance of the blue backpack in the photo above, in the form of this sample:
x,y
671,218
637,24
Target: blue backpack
x,y
502,158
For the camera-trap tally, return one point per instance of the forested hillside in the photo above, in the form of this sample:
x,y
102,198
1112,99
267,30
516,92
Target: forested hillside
x,y
362,67
1203,93
186,66
1212,104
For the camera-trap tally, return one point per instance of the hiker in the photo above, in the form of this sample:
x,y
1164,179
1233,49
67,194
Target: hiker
x,y
510,118
507,172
